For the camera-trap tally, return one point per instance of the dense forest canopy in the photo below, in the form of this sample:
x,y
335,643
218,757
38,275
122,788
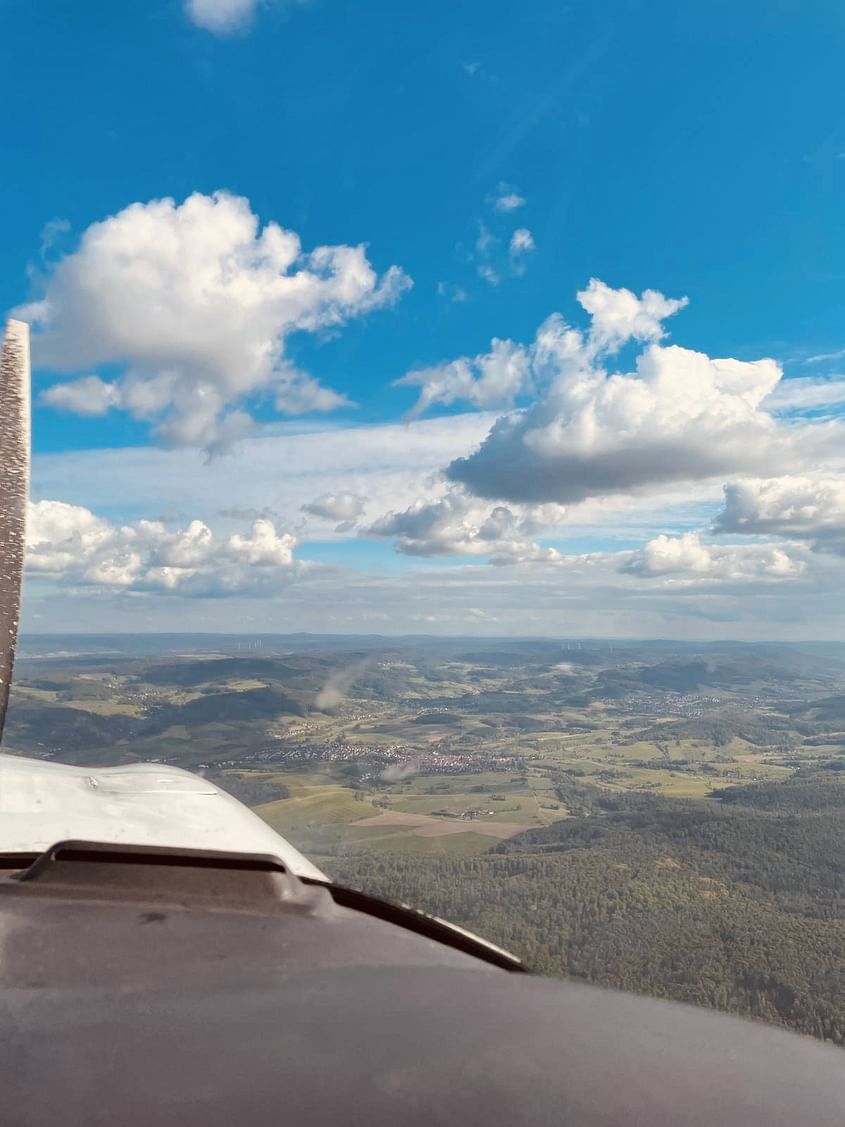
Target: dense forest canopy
x,y
737,904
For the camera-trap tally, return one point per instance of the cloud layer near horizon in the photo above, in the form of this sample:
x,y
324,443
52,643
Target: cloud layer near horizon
x,y
70,543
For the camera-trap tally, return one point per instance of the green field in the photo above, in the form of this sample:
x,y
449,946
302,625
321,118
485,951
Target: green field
x,y
485,733
658,817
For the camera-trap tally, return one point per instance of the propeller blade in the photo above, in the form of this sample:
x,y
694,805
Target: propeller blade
x,y
14,493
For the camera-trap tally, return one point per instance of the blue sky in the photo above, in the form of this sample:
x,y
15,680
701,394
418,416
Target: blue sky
x,y
693,150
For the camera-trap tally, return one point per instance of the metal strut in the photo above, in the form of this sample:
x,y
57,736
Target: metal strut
x,y
14,492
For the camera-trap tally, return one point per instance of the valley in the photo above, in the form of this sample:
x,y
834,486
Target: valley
x,y
654,816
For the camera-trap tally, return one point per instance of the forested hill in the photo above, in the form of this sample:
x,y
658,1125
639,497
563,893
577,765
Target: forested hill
x,y
736,902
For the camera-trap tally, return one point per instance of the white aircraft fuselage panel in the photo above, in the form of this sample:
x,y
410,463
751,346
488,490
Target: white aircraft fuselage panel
x,y
42,804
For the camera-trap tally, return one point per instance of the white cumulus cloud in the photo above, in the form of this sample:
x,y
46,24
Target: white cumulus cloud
x,y
802,507
678,416
71,544
687,557
456,524
618,315
195,302
493,379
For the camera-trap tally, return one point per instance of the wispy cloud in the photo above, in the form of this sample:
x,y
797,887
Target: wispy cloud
x,y
806,394
223,17
822,356
499,257
229,17
455,294
342,508
51,233
521,244
522,241
507,199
